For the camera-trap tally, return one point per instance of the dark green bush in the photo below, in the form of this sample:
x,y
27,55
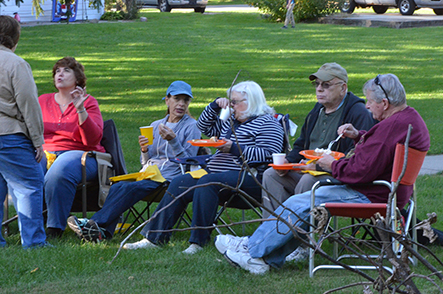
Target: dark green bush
x,y
303,10
113,15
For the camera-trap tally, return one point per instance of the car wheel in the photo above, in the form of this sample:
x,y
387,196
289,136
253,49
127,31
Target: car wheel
x,y
200,9
163,5
406,7
380,9
348,6
438,11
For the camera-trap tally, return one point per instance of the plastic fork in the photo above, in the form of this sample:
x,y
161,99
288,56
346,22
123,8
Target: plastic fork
x,y
334,141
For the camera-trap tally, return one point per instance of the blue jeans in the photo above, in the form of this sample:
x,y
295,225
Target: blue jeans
x,y
121,197
23,176
204,208
273,240
61,182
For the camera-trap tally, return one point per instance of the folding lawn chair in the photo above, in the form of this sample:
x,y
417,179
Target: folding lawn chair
x,y
412,166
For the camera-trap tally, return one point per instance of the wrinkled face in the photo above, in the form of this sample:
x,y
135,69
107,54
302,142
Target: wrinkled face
x,y
64,78
330,93
178,105
239,104
377,109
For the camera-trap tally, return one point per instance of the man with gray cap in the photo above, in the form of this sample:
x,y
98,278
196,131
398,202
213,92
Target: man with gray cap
x,y
335,106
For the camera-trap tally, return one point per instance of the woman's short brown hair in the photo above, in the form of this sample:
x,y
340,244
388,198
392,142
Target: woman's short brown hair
x,y
9,31
77,67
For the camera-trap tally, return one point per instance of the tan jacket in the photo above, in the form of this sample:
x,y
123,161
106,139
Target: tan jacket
x,y
19,108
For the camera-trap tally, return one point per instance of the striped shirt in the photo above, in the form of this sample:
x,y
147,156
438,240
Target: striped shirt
x,y
258,138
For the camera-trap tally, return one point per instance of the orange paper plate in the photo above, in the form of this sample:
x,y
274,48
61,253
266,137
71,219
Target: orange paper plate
x,y
287,166
206,143
311,154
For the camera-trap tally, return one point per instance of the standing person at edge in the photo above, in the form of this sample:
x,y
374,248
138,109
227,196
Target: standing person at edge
x,y
289,14
21,138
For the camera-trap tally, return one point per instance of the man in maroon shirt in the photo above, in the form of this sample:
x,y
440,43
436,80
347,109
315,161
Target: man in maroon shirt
x,y
373,160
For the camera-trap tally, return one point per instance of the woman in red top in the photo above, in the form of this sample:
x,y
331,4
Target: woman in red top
x,y
72,124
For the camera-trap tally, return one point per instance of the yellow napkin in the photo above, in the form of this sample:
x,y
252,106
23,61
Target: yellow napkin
x,y
197,174
50,158
152,173
315,173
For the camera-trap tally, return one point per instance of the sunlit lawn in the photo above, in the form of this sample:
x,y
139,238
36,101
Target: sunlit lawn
x,y
129,65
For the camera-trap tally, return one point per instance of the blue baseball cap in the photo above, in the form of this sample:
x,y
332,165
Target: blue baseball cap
x,y
179,87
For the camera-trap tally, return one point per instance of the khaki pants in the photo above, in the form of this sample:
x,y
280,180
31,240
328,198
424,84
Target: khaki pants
x,y
281,188
290,15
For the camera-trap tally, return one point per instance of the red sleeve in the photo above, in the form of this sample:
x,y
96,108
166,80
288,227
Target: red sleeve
x,y
91,130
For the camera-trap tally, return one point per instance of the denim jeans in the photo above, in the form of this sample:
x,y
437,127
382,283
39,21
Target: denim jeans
x,y
273,240
23,177
61,182
204,207
121,197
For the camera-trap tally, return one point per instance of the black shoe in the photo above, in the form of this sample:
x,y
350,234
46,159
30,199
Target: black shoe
x,y
53,233
92,232
293,27
284,27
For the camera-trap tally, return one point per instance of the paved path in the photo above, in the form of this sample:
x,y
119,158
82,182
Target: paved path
x,y
390,20
433,164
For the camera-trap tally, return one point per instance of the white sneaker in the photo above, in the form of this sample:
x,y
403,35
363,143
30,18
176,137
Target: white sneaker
x,y
244,260
143,243
298,255
192,249
233,243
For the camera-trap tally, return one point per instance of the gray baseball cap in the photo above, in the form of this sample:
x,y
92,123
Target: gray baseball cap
x,y
328,71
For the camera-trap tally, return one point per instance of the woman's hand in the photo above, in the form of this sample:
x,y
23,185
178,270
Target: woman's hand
x,y
325,162
78,98
166,133
143,142
348,130
222,102
225,148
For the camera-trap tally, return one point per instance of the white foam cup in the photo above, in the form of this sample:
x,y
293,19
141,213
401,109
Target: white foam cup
x,y
279,158
224,113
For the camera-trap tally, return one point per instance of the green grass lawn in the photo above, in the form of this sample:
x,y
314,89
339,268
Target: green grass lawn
x,y
129,65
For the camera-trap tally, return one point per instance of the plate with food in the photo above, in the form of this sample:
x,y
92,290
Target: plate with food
x,y
287,166
212,142
318,153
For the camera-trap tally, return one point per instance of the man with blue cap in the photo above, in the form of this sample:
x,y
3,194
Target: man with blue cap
x,y
171,134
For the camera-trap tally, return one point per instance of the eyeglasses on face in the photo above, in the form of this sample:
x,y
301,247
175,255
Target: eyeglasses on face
x,y
378,83
324,85
236,102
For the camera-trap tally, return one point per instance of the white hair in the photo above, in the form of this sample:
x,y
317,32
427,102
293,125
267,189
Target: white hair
x,y
255,98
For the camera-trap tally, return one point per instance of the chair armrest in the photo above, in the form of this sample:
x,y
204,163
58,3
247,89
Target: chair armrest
x,y
195,160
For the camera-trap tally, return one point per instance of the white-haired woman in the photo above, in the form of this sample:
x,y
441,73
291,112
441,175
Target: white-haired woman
x,y
257,135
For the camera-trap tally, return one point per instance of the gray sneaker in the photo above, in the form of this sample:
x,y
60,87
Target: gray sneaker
x,y
92,232
76,225
244,260
233,243
298,255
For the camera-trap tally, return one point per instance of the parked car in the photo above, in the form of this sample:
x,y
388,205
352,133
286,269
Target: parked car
x,y
406,7
167,5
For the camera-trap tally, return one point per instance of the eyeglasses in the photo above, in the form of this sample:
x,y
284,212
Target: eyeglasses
x,y
378,83
324,85
235,102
